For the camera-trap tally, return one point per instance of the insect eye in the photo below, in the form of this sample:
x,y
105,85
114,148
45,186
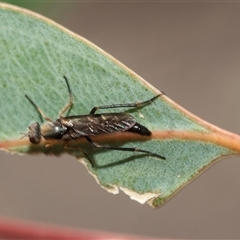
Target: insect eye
x,y
34,133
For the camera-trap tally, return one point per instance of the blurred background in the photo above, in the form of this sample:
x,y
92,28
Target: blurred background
x,y
189,50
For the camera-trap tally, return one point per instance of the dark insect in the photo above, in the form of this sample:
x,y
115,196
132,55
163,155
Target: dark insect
x,y
86,126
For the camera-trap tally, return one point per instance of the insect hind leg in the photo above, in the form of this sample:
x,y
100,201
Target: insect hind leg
x,y
123,148
138,104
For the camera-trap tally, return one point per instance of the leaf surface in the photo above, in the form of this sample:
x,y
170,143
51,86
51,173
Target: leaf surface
x,y
36,53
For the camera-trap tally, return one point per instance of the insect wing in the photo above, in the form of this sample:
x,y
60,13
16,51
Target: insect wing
x,y
90,125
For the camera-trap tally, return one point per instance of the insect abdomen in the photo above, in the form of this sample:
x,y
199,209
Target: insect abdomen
x,y
140,129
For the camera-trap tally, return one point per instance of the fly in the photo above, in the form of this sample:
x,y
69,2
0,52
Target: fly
x,y
86,126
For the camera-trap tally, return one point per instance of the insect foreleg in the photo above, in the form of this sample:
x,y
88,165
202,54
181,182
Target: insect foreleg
x,y
139,104
38,109
123,149
70,102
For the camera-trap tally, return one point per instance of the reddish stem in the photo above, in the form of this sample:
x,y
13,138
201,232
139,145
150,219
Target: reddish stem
x,y
15,229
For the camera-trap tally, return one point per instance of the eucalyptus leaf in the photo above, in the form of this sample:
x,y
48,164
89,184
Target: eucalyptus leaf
x,y
36,53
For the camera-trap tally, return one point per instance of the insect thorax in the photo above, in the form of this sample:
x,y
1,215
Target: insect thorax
x,y
53,130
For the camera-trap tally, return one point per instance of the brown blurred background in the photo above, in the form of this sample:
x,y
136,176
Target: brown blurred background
x,y
191,51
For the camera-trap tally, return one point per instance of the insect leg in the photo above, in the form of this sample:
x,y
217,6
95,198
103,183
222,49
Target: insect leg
x,y
38,109
73,148
123,149
138,104
89,159
70,102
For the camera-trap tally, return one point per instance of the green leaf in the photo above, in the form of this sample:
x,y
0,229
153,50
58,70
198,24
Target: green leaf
x,y
36,53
